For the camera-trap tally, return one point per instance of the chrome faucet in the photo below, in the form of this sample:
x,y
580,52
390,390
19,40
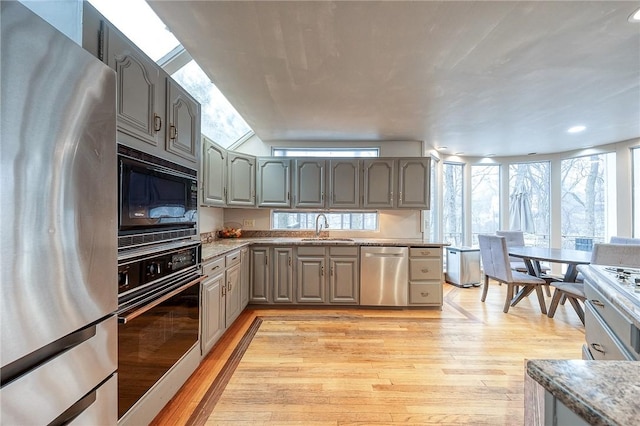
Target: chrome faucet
x,y
319,225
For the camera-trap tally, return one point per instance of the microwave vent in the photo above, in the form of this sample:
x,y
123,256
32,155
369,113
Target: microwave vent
x,y
137,240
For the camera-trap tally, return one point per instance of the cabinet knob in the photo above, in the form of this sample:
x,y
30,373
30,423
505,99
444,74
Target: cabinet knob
x,y
424,294
173,132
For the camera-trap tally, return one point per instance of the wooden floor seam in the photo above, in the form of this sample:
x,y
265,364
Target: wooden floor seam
x,y
207,404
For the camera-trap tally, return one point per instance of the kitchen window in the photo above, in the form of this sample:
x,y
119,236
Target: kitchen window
x,y
326,152
485,200
342,221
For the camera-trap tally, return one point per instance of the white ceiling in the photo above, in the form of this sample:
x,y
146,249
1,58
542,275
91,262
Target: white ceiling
x,y
480,77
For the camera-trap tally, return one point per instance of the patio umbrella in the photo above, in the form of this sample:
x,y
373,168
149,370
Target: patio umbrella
x,y
520,214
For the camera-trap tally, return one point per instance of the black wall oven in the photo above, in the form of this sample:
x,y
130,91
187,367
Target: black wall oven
x,y
158,317
158,199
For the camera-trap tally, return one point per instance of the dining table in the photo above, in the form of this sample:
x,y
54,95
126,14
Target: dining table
x,y
532,256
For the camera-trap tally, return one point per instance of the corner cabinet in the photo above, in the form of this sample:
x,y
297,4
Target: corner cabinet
x,y
214,168
414,176
274,182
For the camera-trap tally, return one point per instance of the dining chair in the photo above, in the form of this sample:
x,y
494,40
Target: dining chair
x,y
516,239
624,240
496,266
602,254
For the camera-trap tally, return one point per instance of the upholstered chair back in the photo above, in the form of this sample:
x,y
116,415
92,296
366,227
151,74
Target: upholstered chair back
x,y
495,258
625,240
616,255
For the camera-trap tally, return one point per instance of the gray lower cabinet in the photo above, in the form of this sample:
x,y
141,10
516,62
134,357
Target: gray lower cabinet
x,y
282,274
245,277
260,282
327,275
609,333
543,409
425,276
213,318
221,297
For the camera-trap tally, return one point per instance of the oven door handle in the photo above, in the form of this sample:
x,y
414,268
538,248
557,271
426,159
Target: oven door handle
x,y
126,318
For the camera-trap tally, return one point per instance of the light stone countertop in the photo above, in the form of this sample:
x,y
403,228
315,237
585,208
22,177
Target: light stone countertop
x,y
601,392
222,246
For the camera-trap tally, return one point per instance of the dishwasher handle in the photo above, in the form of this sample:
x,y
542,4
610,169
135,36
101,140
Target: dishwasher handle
x,y
384,255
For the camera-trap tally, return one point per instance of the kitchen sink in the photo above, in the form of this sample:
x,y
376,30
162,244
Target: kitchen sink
x,y
327,239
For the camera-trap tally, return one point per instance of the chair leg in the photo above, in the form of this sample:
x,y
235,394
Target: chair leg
x,y
557,295
576,305
543,306
547,290
507,301
485,288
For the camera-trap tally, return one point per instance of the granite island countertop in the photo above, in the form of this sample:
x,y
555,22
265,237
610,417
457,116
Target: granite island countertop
x,y
601,392
223,246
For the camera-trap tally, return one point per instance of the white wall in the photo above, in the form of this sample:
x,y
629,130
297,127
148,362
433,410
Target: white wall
x,y
211,219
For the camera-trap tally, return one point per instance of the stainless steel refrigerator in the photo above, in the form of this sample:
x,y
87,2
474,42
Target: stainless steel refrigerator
x,y
58,221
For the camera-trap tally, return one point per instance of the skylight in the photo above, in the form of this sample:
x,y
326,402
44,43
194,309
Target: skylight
x,y
140,24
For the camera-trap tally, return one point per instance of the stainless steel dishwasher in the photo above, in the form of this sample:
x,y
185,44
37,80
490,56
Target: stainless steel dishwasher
x,y
384,276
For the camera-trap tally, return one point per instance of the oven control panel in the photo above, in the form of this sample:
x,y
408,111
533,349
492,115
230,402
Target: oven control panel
x,y
138,272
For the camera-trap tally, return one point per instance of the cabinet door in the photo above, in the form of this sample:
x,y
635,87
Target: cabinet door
x,y
344,280
140,96
344,183
259,275
310,282
213,324
282,275
214,174
245,277
309,183
183,127
232,294
241,175
274,183
378,183
413,182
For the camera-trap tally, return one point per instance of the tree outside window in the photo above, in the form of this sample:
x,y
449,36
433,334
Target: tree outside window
x,y
531,181
485,200
452,184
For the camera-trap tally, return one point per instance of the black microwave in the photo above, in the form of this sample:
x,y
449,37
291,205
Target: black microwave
x,y
155,194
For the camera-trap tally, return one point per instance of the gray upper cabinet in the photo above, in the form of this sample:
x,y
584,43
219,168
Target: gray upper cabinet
x,y
241,178
413,183
214,173
140,98
183,126
379,183
274,182
344,183
309,183
154,114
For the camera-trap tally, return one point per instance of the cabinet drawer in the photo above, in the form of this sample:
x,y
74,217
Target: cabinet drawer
x,y
343,251
600,341
232,258
424,269
310,251
214,266
621,326
425,294
425,252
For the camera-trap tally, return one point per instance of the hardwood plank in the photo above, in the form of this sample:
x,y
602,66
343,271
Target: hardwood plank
x,y
461,365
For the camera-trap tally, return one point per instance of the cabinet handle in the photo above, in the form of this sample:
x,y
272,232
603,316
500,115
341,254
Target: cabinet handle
x,y
289,260
288,195
425,270
224,290
157,122
322,271
331,271
229,286
400,197
597,303
215,267
597,347
173,132
266,260
424,294
425,253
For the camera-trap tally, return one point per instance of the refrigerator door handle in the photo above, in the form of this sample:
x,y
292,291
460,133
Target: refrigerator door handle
x,y
23,365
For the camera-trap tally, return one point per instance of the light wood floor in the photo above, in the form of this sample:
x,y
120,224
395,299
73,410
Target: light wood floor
x,y
462,365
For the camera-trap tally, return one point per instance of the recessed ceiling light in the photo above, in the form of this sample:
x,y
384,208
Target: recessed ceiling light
x,y
459,153
440,148
635,17
490,155
576,129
